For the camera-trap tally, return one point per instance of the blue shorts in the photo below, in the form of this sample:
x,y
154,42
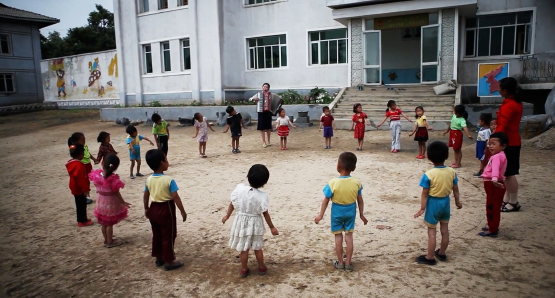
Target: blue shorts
x,y
480,149
328,131
343,218
137,155
437,210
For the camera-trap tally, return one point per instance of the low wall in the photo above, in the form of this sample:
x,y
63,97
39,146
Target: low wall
x,y
173,113
474,111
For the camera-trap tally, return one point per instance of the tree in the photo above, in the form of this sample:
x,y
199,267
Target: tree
x,y
98,35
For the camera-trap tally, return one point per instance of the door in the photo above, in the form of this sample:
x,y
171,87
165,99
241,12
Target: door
x,y
429,70
372,58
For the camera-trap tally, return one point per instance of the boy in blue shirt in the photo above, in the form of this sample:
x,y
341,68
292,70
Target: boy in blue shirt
x,y
345,192
437,184
132,141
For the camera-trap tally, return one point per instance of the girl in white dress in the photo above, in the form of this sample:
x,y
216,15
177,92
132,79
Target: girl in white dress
x,y
247,231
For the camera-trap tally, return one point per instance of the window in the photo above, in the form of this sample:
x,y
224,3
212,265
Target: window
x,y
182,2
166,61
4,44
328,47
249,2
162,4
147,49
6,83
143,6
186,54
499,35
267,52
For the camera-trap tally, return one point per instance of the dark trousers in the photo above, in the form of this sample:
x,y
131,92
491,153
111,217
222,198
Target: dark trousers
x,y
164,230
81,206
163,141
494,199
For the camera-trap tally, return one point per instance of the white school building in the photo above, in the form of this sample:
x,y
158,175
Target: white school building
x,y
212,51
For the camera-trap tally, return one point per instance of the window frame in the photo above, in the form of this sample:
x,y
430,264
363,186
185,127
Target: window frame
x,y
4,81
182,3
529,31
183,47
310,42
279,45
246,3
9,41
161,4
162,56
145,63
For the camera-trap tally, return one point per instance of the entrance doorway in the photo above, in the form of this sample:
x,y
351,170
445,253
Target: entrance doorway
x,y
401,55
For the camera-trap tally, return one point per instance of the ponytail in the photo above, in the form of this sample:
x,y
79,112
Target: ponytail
x,y
75,137
510,85
110,164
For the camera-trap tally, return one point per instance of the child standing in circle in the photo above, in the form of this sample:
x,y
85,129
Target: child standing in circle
x,y
437,184
359,123
345,192
79,138
282,126
482,152
133,139
110,208
328,123
234,122
105,146
494,183
202,126
421,131
161,132
394,115
79,183
455,130
247,231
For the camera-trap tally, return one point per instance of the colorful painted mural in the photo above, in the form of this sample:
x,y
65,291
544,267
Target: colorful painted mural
x,y
489,75
89,76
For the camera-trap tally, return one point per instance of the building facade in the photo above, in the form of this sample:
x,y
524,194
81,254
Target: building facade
x,y
20,55
212,51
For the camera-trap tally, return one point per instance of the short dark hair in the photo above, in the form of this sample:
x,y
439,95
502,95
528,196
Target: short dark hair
x,y
416,109
503,138
130,129
438,152
154,158
196,116
486,118
229,109
326,108
355,107
75,137
266,84
461,111
110,164
258,175
278,112
102,136
348,161
75,150
155,117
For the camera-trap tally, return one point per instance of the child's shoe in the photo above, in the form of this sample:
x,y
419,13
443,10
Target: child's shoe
x,y
85,224
237,150
131,177
234,151
442,258
139,175
478,174
338,266
245,273
423,260
262,271
89,201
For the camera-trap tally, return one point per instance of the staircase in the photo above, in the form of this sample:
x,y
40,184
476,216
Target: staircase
x,y
438,108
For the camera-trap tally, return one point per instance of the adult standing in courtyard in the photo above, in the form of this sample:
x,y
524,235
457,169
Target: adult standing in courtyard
x,y
264,117
508,122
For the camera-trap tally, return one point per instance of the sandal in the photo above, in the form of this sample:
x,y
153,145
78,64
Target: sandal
x,y
245,273
338,266
262,270
484,234
114,243
515,207
442,258
349,268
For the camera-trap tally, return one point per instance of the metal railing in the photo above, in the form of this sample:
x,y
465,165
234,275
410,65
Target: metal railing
x,y
534,70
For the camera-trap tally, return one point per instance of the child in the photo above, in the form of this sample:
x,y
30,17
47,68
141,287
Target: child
x,y
162,191
327,121
345,192
235,122
105,146
458,123
161,132
79,183
359,123
421,130
132,141
202,126
247,231
79,138
394,115
437,184
482,140
110,206
494,183
282,126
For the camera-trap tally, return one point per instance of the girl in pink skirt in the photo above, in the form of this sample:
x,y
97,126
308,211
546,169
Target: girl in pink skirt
x,y
282,126
110,206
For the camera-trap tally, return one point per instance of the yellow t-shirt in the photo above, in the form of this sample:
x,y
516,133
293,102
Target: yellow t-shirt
x,y
421,122
439,181
160,187
343,190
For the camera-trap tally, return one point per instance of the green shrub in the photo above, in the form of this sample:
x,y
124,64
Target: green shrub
x,y
155,103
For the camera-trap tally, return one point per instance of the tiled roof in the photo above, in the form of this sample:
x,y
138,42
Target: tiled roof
x,y
7,12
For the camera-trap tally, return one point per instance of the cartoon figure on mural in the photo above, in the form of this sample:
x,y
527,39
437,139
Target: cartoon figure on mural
x,y
73,83
46,83
61,83
94,78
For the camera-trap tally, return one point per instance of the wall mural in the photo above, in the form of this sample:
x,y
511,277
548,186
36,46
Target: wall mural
x,y
90,76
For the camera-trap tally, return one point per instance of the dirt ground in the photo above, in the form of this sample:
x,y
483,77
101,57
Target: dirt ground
x,y
45,254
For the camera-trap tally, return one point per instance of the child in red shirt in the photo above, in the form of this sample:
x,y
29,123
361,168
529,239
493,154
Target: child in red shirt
x,y
79,183
328,123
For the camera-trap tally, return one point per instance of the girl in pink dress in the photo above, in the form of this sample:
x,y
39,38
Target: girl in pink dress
x,y
110,206
359,124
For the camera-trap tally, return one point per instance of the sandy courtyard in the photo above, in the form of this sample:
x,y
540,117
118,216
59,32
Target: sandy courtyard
x,y
45,254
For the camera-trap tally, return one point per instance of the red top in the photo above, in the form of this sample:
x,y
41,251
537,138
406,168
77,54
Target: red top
x,y
394,115
78,180
508,120
359,118
327,120
104,150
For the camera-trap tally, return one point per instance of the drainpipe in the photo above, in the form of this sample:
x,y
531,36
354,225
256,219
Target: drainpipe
x,y
121,68
195,71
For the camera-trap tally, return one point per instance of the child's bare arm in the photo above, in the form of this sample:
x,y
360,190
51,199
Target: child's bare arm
x,y
457,196
323,208
269,222
177,200
448,129
352,125
168,131
414,129
226,128
243,124
210,126
228,214
406,117
121,200
423,201
468,133
382,122
360,203
151,143
146,198
156,139
196,131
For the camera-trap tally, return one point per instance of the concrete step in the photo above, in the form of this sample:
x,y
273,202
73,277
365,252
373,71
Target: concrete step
x,y
437,125
395,96
377,115
405,108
